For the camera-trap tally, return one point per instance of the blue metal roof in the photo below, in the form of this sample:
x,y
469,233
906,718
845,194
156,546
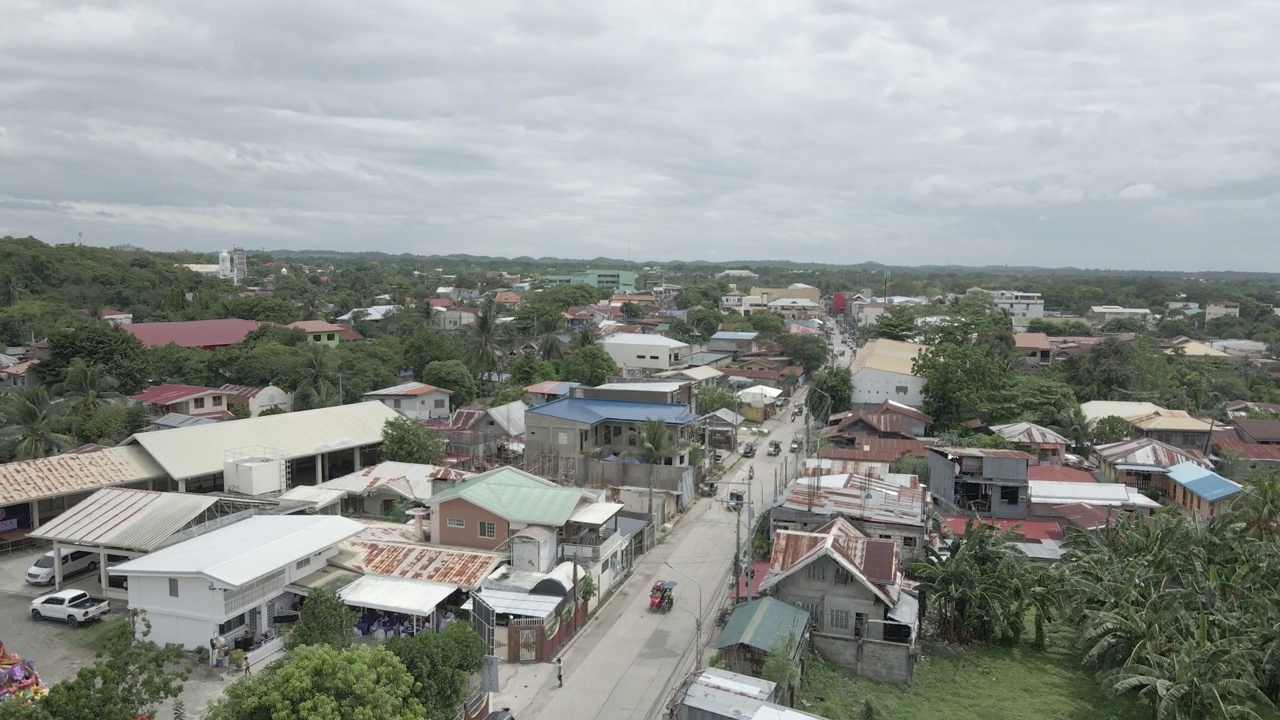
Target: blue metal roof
x,y
1206,484
591,411
730,335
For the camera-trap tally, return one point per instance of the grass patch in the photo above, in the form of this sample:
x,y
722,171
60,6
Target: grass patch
x,y
976,684
92,635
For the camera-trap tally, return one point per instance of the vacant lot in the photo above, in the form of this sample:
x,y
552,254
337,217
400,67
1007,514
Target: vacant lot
x,y
978,684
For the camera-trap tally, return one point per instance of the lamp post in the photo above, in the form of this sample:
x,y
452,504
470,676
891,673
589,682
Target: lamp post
x,y
697,618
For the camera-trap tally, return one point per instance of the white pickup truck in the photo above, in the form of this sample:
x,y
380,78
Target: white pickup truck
x,y
70,606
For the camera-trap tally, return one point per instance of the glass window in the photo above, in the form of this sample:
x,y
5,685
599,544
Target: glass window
x,y
199,403
457,523
840,619
331,337
396,404
488,530
217,401
232,624
173,587
439,404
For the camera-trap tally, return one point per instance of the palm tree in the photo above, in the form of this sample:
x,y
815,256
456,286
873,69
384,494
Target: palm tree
x,y
483,355
653,444
1072,423
34,423
586,337
318,365
86,387
548,330
1258,508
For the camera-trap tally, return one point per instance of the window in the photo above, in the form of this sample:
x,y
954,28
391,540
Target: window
x,y
639,357
439,404
331,337
653,357
395,404
886,537
816,571
457,523
617,430
488,530
173,587
1009,495
232,624
217,401
199,403
908,541
302,563
901,389
839,620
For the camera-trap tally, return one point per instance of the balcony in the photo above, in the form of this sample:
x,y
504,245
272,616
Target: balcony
x,y
586,545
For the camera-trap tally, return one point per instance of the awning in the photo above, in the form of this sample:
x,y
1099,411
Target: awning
x,y
595,513
328,578
907,610
392,594
506,602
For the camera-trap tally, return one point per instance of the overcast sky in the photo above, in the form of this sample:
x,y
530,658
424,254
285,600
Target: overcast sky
x,y
1122,134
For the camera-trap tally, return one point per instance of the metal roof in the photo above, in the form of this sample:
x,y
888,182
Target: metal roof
x,y
638,339
392,594
328,578
730,335
195,451
139,520
660,387
451,566
1169,420
725,694
859,497
506,602
29,480
886,355
1205,484
193,333
317,497
695,373
169,393
1026,433
516,496
247,550
967,452
509,417
597,513
552,387
409,389
874,563
1043,492
1095,410
763,623
1146,451
590,411
411,481
1260,431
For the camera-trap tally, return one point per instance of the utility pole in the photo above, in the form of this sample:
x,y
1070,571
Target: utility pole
x,y
737,559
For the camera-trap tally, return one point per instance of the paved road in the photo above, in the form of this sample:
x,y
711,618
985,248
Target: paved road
x,y
625,664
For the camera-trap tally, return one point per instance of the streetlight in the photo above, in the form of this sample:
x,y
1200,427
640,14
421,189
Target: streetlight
x,y
697,618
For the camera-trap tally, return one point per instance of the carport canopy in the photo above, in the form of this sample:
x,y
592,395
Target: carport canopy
x,y
418,598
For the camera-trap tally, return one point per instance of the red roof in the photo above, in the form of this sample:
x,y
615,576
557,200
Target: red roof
x,y
1228,440
193,333
168,394
507,297
350,333
109,312
1029,529
440,303
1059,473
1031,341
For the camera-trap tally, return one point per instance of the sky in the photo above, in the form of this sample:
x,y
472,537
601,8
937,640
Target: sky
x,y
1129,134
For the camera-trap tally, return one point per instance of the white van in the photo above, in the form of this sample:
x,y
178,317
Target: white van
x,y
73,561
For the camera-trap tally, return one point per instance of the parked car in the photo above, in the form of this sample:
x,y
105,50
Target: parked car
x,y
749,450
117,581
70,606
795,446
73,562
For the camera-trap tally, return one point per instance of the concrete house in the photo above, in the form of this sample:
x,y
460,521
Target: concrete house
x,y
732,342
321,332
1100,315
883,370
1215,309
1021,307
184,399
577,426
851,585
1198,490
1037,347
666,392
991,483
646,352
258,399
414,400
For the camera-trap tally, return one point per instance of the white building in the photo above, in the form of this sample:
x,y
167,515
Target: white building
x,y
882,371
414,400
647,352
225,583
1022,307
1102,314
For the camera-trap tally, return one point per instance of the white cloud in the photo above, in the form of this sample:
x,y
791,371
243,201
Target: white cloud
x,y
721,129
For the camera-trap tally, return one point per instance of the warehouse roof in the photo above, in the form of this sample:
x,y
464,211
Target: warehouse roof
x,y
888,356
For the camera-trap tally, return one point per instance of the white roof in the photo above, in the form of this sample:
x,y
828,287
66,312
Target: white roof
x,y
374,313
664,387
794,302
597,513
700,372
763,390
1095,410
393,594
202,450
318,497
1052,492
509,417
128,519
242,552
411,481
1137,499
638,339
728,416
522,604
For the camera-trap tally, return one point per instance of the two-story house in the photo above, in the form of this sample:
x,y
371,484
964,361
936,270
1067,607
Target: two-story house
x,y
185,400
852,587
414,400
991,483
646,352
574,427
225,583
733,342
667,392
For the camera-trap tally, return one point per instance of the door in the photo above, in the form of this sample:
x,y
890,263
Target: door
x,y
529,644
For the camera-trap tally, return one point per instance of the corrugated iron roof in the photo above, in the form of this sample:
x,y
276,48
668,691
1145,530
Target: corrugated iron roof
x,y
398,595
139,520
1059,473
874,563
195,451
411,481
873,449
763,623
965,452
411,389
451,566
29,480
859,497
1030,529
1026,433
1205,484
1228,440
169,393
317,497
517,496
193,333
1262,431
1146,451
892,356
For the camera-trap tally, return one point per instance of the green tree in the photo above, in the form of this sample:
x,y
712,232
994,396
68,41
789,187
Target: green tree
x,y
527,369
810,351
483,354
563,297
176,364
654,445
119,354
405,440
424,348
707,296
1056,328
767,322
782,669
317,372
321,682
1111,429
441,664
959,379
632,311
34,425
714,397
324,620
896,323
455,377
129,679
112,423
86,388
589,366
833,386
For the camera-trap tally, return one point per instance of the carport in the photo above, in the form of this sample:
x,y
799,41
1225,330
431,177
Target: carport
x,y
124,522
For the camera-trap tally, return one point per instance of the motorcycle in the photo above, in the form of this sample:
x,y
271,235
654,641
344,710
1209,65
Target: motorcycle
x,y
751,473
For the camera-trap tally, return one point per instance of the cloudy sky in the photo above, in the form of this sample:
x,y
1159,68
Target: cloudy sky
x,y
1120,134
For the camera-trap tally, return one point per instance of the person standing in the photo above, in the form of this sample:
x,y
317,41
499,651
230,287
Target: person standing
x,y
560,672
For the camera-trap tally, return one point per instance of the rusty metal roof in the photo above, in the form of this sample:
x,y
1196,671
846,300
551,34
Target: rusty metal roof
x,y
873,562
1026,433
29,480
966,452
451,566
875,449
128,519
899,500
1146,451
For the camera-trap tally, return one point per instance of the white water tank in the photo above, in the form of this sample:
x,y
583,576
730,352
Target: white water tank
x,y
253,475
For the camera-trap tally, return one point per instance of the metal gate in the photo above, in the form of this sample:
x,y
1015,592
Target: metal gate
x,y
482,616
529,643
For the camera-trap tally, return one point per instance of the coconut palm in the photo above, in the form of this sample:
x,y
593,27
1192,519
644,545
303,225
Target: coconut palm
x,y
483,354
586,337
86,388
1072,423
654,444
1258,508
548,330
34,423
317,371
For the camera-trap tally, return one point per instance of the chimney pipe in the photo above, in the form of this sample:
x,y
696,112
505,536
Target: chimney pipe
x,y
417,514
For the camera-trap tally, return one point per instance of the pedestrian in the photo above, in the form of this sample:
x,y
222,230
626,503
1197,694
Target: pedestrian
x,y
560,672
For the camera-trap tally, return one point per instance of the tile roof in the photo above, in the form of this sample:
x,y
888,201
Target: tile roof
x,y
764,623
168,394
591,411
411,389
193,333
28,480
1206,484
1262,431
516,496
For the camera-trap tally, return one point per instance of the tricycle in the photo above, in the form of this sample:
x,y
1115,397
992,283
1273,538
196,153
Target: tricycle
x,y
662,596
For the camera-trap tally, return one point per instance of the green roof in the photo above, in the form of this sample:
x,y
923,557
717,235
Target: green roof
x,y
517,496
762,623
